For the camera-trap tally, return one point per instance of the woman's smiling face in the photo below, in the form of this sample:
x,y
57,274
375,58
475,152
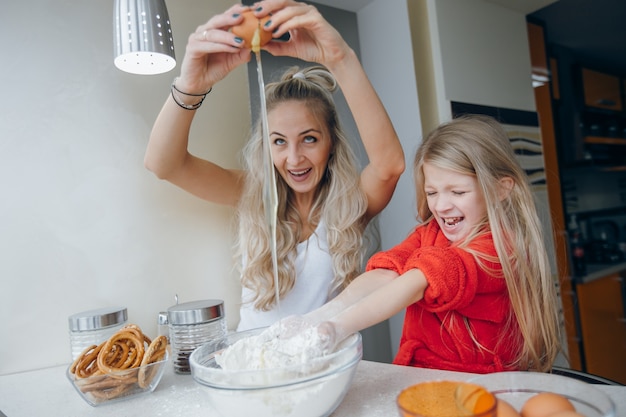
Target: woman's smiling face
x,y
301,145
455,199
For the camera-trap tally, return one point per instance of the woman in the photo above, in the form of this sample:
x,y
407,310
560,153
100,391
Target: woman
x,y
474,277
324,204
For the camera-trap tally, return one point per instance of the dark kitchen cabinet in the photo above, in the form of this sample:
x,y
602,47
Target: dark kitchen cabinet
x,y
592,156
601,90
603,326
582,115
590,116
602,126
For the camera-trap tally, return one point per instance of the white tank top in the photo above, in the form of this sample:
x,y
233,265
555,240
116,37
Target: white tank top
x,y
314,274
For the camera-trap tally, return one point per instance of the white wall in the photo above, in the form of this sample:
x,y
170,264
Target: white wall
x,y
82,224
387,57
484,54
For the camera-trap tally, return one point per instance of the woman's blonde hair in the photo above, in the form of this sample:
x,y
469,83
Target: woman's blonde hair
x,y
479,146
339,200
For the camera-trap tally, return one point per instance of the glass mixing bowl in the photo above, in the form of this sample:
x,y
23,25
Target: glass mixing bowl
x,y
517,387
314,389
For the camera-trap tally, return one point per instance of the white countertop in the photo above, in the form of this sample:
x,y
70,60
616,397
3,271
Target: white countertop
x,y
47,392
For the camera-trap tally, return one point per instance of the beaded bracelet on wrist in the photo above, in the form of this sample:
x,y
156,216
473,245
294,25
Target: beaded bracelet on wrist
x,y
184,105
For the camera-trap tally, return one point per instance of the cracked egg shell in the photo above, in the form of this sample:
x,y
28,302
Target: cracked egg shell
x,y
245,30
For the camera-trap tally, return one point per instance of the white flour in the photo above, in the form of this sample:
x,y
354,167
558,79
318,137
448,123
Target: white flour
x,y
287,384
267,351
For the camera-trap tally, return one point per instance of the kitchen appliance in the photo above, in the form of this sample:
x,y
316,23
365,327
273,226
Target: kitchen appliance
x,y
605,230
603,252
604,245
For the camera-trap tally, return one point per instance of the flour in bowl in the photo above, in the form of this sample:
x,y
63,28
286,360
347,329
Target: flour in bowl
x,y
269,351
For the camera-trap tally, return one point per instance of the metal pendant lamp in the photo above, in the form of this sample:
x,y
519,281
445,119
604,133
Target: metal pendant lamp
x,y
143,37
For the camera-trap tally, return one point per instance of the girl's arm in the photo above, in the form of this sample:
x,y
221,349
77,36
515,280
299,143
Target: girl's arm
x,y
360,287
380,304
370,299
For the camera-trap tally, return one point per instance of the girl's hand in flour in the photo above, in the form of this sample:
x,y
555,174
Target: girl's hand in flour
x,y
286,328
314,337
329,336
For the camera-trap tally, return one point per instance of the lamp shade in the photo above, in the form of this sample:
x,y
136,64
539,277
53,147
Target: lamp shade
x,y
143,37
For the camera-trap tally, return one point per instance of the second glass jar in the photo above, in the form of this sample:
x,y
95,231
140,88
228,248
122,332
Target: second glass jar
x,y
193,324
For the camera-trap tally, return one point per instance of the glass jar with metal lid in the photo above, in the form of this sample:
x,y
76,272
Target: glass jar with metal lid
x,y
193,324
93,327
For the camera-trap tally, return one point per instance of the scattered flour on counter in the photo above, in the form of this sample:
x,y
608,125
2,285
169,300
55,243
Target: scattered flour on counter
x,y
267,351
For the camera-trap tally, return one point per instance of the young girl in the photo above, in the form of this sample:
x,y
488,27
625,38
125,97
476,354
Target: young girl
x,y
474,276
324,202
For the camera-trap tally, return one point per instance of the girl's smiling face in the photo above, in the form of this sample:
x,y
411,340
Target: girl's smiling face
x,y
301,146
455,199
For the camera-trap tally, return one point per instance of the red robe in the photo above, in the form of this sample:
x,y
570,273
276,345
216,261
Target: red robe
x,y
435,334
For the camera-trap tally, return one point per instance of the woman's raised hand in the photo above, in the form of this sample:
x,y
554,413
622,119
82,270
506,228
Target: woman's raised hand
x,y
212,52
313,39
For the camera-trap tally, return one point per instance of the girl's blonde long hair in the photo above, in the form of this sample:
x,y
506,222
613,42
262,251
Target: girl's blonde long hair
x,y
479,146
339,201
